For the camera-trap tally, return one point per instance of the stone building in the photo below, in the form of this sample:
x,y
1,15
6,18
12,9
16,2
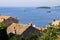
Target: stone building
x,y
19,29
22,29
8,20
55,22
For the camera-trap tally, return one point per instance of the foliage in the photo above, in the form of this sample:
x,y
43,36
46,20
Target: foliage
x,y
3,33
30,36
13,37
2,26
51,33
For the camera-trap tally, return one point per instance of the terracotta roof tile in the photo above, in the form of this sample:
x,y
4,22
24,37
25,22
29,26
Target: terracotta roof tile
x,y
41,29
19,28
8,20
4,17
56,22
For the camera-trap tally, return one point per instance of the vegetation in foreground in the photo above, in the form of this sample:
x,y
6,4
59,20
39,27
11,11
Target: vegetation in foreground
x,y
50,34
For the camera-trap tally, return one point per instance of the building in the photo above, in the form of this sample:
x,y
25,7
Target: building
x,y
21,29
41,29
8,20
55,22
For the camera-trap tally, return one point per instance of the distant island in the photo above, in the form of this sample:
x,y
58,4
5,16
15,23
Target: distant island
x,y
44,7
57,6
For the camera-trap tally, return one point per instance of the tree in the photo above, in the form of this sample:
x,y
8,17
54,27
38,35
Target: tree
x,y
51,33
14,37
3,33
2,26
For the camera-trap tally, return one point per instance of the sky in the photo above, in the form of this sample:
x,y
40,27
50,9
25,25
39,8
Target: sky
x,y
28,3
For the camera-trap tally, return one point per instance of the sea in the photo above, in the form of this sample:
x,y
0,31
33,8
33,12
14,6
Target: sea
x,y
38,16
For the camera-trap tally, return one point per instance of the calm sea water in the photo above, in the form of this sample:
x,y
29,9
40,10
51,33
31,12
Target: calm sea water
x,y
39,17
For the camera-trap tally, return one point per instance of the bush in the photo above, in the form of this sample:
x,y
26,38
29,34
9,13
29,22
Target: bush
x,y
3,33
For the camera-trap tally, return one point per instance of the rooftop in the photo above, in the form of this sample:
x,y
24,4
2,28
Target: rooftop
x,y
4,17
56,22
18,28
41,29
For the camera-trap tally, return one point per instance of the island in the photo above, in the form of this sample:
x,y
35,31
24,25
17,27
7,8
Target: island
x,y
43,7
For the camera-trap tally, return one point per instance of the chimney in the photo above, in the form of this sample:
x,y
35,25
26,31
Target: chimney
x,y
54,19
30,23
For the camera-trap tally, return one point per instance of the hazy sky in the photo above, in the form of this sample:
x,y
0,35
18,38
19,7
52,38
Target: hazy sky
x,y
29,3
